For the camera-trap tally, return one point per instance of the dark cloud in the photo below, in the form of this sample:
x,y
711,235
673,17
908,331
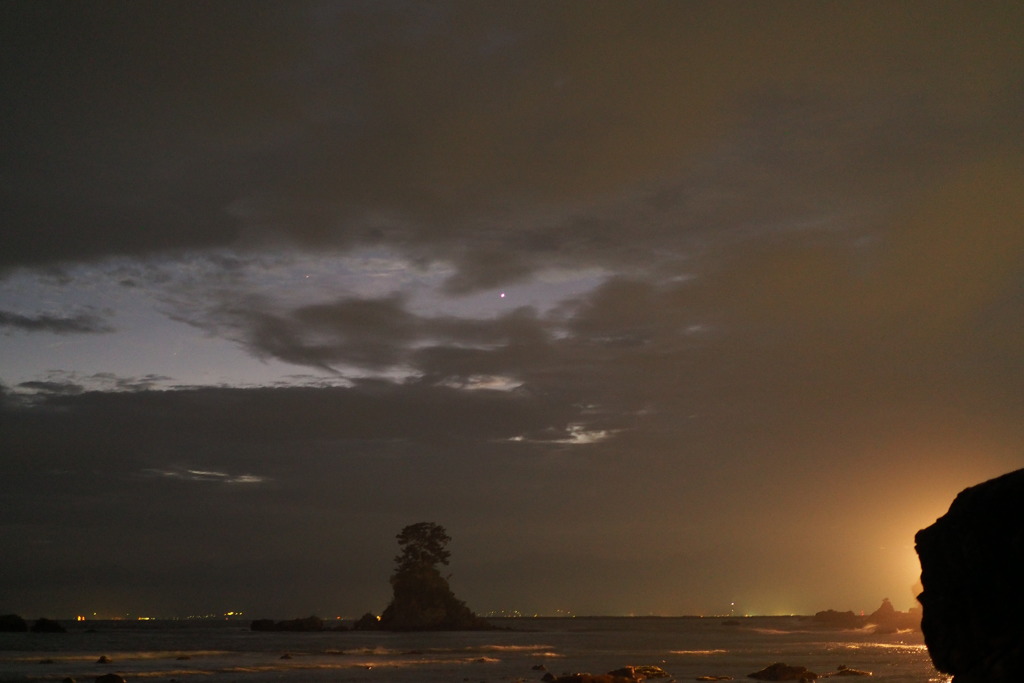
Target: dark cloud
x,y
366,333
62,382
382,333
485,135
52,387
83,323
800,333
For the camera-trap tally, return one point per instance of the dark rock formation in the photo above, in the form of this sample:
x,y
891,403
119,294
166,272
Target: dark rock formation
x,y
885,612
640,672
590,678
844,670
830,618
972,561
627,674
886,619
12,623
783,672
423,601
44,625
367,622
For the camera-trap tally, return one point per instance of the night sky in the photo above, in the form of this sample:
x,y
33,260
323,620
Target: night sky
x,y
659,308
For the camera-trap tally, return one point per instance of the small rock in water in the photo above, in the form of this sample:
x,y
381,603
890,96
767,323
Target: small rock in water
x,y
110,678
844,670
44,625
286,656
640,672
592,678
783,672
103,660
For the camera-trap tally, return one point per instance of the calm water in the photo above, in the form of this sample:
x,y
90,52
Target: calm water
x,y
228,652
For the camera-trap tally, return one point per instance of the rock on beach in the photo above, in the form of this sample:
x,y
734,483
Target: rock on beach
x,y
12,623
44,625
110,678
588,678
627,674
783,672
847,671
972,561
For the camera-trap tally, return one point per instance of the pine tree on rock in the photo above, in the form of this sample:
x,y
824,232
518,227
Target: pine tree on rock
x,y
422,599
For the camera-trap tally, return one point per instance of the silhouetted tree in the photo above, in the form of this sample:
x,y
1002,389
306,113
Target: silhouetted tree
x,y
424,545
422,599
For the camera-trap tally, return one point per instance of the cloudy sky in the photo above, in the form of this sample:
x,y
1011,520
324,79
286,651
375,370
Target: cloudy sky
x,y
657,307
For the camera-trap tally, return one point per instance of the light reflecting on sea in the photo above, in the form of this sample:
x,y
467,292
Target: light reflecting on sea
x,y
520,650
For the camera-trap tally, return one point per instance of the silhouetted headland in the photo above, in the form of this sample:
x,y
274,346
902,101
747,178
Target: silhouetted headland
x,y
12,623
972,569
885,619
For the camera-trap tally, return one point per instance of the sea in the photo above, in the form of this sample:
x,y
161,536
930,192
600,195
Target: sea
x,y
519,650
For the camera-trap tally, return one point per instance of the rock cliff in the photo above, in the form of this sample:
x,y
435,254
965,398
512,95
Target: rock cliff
x,y
12,623
972,564
423,601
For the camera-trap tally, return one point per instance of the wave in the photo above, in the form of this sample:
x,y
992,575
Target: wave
x,y
172,673
297,665
514,648
688,646
867,630
541,650
897,647
115,656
